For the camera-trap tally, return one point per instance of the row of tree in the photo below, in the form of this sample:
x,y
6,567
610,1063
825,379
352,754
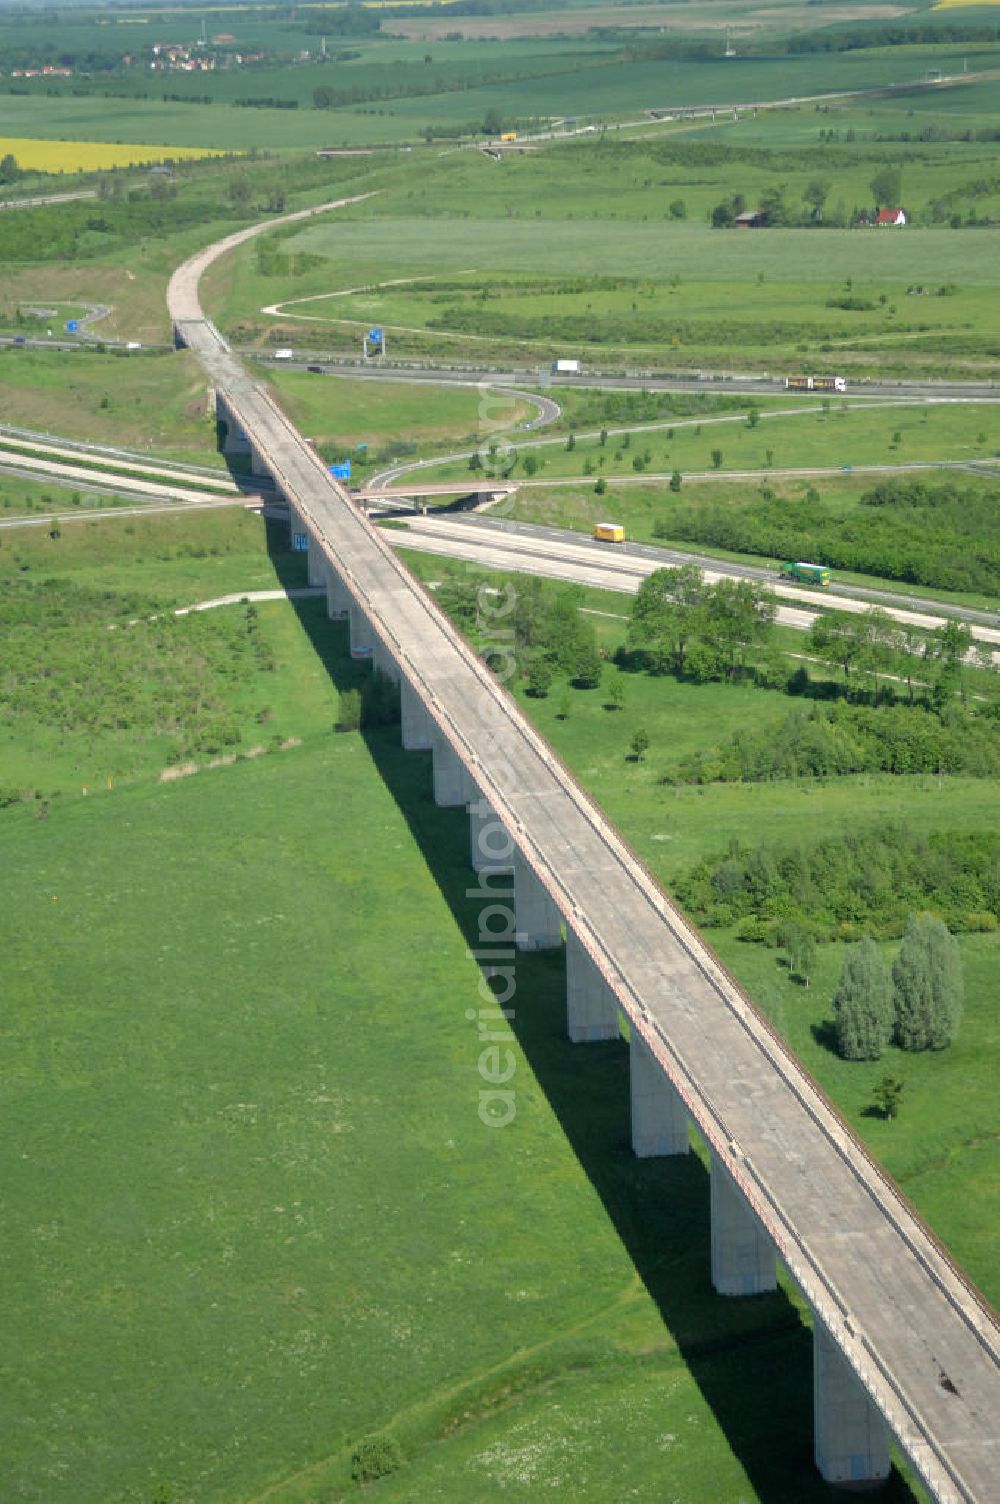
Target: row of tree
x,y
917,1005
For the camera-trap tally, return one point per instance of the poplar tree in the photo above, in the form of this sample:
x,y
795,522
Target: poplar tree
x,y
862,1003
927,986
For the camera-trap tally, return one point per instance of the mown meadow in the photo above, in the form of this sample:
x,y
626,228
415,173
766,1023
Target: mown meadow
x,y
255,1214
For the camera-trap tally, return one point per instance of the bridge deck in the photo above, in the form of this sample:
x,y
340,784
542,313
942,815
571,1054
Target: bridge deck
x,y
924,1344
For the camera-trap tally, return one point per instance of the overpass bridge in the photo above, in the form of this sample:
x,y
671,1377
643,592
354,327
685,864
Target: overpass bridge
x,y
903,1342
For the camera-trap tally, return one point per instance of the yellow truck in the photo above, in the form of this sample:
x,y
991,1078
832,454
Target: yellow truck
x,y
609,532
508,135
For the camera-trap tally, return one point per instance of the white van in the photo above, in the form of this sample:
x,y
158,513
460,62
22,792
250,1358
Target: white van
x,y
284,354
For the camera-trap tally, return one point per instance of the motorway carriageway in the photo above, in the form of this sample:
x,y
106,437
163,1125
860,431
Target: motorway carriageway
x,y
558,556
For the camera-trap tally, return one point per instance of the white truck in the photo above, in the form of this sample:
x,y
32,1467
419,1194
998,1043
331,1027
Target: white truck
x,y
565,368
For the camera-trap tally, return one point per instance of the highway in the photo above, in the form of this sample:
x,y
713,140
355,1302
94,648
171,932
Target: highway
x,y
474,536
565,556
923,1343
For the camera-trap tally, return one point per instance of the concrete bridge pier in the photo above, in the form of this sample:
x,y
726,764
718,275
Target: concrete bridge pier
x,y
417,726
851,1437
338,599
659,1117
315,572
539,926
362,636
743,1259
492,849
385,662
452,788
591,1011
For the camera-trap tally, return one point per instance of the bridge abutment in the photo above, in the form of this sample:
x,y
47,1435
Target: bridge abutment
x,y
591,1010
743,1258
417,726
491,848
539,926
851,1437
659,1117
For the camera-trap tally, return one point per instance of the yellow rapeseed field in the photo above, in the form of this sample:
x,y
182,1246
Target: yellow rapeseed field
x,y
33,155
961,4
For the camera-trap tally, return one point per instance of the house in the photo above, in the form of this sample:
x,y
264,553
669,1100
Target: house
x,y
753,219
890,217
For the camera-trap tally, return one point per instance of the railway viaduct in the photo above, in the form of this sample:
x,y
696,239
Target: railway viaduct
x,y
904,1345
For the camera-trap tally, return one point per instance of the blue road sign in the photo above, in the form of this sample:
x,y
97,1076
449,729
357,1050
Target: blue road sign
x,y
300,543
341,472
72,326
375,337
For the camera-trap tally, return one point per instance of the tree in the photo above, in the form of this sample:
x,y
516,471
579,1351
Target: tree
x,y
888,1093
564,705
9,171
716,459
926,986
879,640
239,190
667,612
838,637
571,442
678,209
722,216
530,464
887,186
772,204
675,481
639,744
815,195
530,627
539,677
753,417
601,486
950,644
737,615
604,437
795,938
588,665
862,1003
616,693
492,123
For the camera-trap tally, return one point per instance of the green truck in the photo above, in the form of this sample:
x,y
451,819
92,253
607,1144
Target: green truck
x,y
807,574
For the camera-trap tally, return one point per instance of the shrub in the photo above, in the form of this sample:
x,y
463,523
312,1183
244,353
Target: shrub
x,y
349,716
375,1457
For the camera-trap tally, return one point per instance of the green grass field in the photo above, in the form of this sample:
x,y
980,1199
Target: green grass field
x,y
256,1215
799,435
